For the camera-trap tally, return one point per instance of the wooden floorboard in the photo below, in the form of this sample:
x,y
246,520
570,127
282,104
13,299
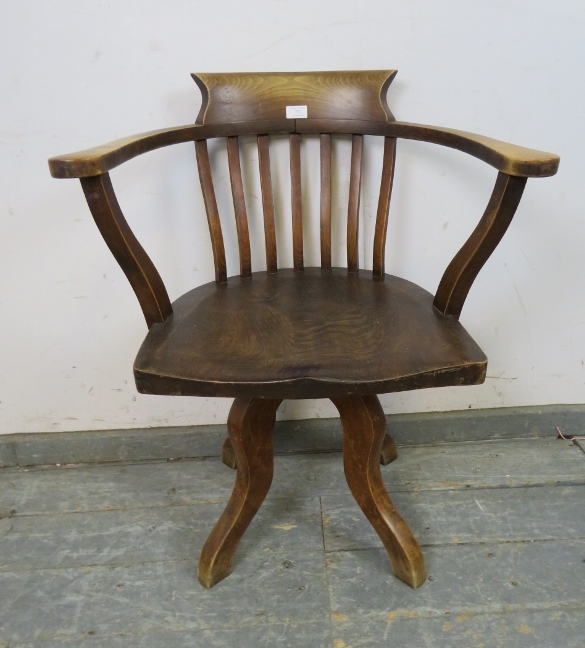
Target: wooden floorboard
x,y
105,555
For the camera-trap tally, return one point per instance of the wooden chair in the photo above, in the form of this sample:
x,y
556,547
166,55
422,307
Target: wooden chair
x,y
341,333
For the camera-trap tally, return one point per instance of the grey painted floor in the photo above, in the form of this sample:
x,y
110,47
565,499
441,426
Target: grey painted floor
x,y
105,556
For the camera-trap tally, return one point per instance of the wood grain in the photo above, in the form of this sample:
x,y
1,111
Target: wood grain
x,y
353,209
364,429
267,203
105,157
465,266
389,451
508,158
210,202
233,151
311,334
386,182
250,425
228,456
325,205
130,255
304,332
296,200
231,97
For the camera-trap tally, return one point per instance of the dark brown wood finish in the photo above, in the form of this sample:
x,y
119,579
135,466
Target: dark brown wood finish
x,y
228,455
267,203
250,425
312,334
465,266
389,450
296,200
101,159
325,228
241,97
304,332
213,221
136,264
386,182
353,210
364,429
511,159
233,151
508,158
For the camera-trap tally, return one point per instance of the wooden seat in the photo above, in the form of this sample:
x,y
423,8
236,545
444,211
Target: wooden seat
x,y
346,334
311,334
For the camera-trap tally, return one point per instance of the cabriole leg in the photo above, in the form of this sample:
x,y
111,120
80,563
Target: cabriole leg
x,y
250,425
364,427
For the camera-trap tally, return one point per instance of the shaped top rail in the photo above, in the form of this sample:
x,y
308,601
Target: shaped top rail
x,y
242,97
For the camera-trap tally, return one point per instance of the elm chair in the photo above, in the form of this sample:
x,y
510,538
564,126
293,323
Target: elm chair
x,y
346,334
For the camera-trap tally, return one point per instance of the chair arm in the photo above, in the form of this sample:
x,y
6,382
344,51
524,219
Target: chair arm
x,y
100,159
466,264
130,255
507,158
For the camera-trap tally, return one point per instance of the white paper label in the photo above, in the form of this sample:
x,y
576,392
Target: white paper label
x,y
296,112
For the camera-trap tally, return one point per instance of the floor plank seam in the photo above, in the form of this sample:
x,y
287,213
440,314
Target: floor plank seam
x,y
136,563
482,610
279,453
327,586
112,509
66,640
24,570
479,543
481,487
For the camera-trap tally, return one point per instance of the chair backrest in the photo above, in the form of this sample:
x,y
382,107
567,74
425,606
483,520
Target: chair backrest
x,y
297,104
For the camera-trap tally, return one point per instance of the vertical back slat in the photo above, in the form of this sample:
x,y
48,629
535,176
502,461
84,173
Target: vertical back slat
x,y
326,200
354,203
267,203
296,199
384,206
211,209
233,150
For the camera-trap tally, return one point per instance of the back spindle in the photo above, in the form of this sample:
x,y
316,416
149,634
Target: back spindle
x,y
213,221
354,203
296,199
233,150
326,200
267,203
386,182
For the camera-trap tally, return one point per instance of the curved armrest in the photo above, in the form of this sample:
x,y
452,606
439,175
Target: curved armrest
x,y
507,158
100,159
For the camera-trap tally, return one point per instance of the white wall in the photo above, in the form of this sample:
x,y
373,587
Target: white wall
x,y
75,73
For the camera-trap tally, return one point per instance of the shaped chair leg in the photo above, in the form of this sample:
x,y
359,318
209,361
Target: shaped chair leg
x,y
228,456
389,450
364,426
250,424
